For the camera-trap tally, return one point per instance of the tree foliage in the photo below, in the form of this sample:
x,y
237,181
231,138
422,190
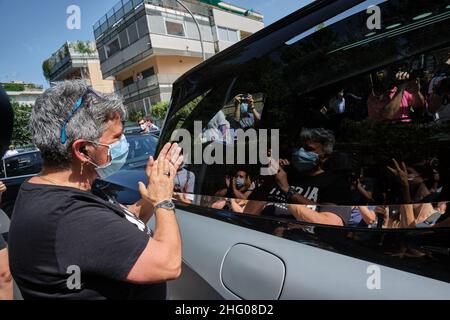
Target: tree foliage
x,y
135,116
158,111
21,132
13,87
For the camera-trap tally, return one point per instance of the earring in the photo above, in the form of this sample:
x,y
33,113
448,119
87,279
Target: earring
x,y
82,167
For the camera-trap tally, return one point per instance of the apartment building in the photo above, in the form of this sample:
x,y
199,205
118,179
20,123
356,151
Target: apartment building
x,y
147,44
77,60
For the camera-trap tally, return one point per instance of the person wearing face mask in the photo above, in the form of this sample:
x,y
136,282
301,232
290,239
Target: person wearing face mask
x,y
235,192
304,181
61,231
144,128
238,187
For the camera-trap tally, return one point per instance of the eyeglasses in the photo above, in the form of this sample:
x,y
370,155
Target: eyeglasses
x,y
77,105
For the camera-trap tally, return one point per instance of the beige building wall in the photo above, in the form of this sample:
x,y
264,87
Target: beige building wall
x,y
164,65
96,78
176,64
136,69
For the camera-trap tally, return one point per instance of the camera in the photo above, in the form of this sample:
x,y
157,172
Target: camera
x,y
245,98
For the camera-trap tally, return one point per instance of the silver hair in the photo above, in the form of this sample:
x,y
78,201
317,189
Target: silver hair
x,y
89,122
319,135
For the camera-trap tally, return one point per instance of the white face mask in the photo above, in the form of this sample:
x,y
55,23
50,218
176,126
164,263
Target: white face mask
x,y
143,126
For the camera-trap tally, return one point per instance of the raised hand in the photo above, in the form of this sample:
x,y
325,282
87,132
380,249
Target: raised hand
x,y
2,187
400,173
160,174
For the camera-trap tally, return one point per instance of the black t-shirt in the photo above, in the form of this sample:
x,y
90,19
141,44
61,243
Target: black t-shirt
x,y
323,189
55,230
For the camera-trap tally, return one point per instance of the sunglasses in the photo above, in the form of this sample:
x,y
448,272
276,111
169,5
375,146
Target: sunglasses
x,y
78,104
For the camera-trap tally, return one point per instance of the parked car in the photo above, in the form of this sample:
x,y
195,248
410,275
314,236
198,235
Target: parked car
x,y
132,130
135,130
326,66
14,171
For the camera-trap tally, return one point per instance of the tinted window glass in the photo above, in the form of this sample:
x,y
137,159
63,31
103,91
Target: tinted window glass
x,y
20,165
141,148
113,47
132,33
362,115
124,38
101,54
142,26
2,170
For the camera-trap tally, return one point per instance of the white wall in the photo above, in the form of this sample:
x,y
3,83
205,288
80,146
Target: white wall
x,y
180,44
233,21
24,97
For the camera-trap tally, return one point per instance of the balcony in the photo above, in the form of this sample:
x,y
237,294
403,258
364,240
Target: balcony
x,y
70,55
125,8
149,83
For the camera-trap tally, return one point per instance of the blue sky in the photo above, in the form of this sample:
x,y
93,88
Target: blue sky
x,y
31,30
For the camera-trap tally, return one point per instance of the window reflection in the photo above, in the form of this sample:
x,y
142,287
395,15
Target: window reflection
x,y
364,125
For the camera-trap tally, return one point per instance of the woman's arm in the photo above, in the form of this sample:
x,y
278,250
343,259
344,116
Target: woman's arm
x,y
143,209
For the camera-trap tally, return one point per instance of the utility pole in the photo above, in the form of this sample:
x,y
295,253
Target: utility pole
x,y
198,27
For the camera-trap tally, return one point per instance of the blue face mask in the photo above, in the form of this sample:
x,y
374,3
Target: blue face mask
x,y
244,108
304,161
118,152
240,182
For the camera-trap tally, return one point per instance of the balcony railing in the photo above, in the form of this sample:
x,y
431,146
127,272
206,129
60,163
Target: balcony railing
x,y
125,7
150,82
70,50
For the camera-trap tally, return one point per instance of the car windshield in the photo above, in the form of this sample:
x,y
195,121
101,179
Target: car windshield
x,y
141,148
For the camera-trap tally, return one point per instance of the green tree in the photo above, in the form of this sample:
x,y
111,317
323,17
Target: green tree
x,y
21,132
158,111
14,87
135,116
46,68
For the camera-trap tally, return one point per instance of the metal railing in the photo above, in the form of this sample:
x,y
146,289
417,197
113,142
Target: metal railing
x,y
71,51
152,81
114,15
125,7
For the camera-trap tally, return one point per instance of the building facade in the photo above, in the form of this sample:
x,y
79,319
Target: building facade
x,y
147,44
77,60
22,93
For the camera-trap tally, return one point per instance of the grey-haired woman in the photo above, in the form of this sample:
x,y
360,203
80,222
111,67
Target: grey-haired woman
x,y
65,242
